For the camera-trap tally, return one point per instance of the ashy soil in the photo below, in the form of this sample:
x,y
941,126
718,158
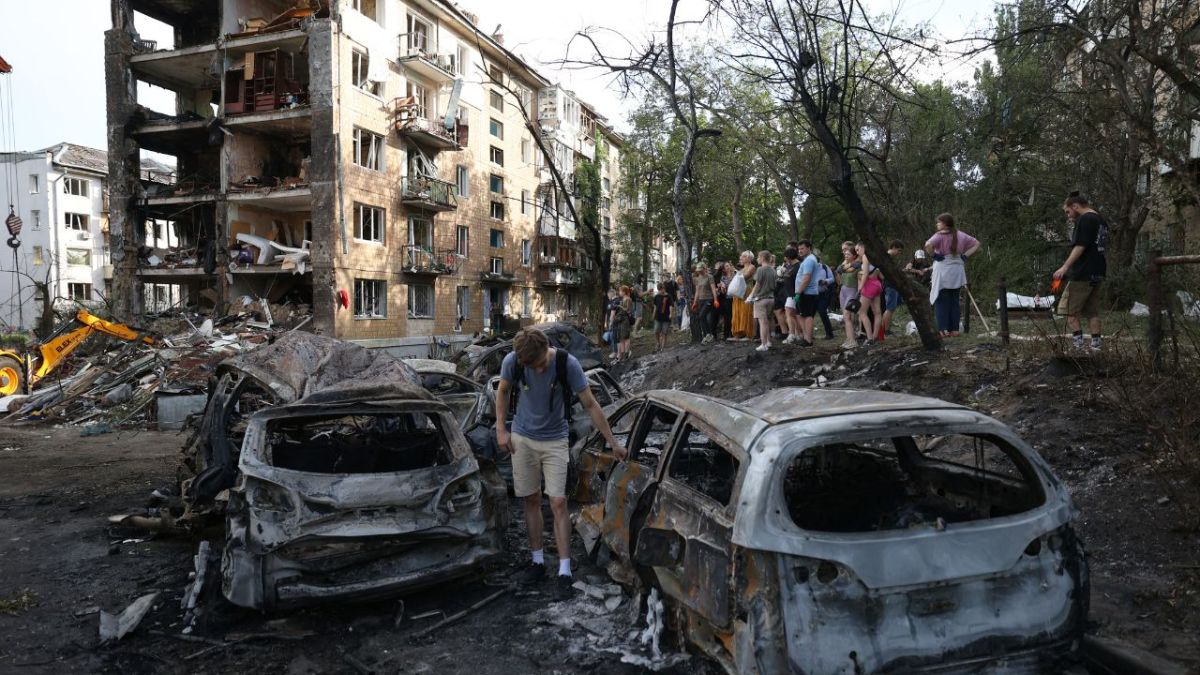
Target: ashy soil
x,y
61,561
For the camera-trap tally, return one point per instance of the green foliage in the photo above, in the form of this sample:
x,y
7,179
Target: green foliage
x,y
587,189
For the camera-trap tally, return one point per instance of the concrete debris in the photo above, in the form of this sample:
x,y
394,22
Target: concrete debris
x,y
116,626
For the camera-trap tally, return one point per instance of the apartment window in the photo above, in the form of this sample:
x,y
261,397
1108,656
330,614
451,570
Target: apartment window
x,y
462,303
606,183
368,223
496,184
360,66
526,151
368,150
496,155
33,184
607,222
79,256
496,74
462,177
370,299
496,128
462,241
526,252
418,35
496,238
366,8
464,60
525,203
572,304
497,266
526,97
526,303
420,301
79,291
420,95
420,233
497,100
75,186
76,221
498,210
39,257
36,216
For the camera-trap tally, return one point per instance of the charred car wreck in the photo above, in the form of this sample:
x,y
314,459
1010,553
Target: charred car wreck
x,y
826,531
340,476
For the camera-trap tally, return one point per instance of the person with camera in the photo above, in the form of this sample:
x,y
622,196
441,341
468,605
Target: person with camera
x,y
1084,270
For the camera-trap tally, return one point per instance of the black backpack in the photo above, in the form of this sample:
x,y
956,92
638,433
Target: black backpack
x,y
560,378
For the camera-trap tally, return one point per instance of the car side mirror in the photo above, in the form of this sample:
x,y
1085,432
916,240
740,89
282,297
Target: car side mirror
x,y
659,548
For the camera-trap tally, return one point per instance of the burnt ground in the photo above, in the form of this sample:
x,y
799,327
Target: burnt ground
x,y
60,559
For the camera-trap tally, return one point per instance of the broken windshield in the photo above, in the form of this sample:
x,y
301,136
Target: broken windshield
x,y
358,443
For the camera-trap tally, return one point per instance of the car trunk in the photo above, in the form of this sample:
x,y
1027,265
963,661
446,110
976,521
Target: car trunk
x,y
926,552
356,504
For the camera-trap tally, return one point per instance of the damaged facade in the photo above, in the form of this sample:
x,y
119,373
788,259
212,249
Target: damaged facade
x,y
366,157
827,531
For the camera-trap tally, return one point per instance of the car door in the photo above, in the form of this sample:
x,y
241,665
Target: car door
x,y
687,537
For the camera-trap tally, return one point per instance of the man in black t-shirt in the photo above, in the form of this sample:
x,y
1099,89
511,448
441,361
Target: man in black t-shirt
x,y
1084,270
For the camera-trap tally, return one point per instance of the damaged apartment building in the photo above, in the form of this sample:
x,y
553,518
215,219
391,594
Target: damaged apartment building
x,y
368,158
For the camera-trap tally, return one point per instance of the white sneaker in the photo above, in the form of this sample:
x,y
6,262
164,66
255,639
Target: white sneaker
x,y
762,348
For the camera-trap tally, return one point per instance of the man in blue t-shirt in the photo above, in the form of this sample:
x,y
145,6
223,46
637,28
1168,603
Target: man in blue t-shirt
x,y
538,442
807,291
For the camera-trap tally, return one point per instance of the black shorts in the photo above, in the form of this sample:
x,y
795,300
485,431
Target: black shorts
x,y
806,306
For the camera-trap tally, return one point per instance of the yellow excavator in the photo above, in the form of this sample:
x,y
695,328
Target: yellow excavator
x,y
19,372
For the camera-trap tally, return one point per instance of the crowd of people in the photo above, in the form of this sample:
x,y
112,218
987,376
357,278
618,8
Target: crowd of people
x,y
765,299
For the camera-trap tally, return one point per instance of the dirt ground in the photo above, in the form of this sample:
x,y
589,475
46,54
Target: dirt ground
x,y
61,561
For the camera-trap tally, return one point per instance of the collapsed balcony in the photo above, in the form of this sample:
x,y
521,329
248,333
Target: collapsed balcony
x,y
430,194
411,120
425,260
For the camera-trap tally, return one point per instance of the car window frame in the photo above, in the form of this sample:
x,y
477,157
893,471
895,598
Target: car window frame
x,y
638,436
725,441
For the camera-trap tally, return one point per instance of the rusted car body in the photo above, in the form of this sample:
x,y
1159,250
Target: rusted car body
x,y
837,531
340,476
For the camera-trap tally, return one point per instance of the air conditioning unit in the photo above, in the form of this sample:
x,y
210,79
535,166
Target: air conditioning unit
x,y
84,236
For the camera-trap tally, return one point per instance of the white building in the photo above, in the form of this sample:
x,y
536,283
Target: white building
x,y
60,197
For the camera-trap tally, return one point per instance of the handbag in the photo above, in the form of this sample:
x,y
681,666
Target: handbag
x,y
737,287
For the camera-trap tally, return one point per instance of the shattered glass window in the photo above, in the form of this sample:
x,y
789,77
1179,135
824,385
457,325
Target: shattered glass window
x,y
704,465
906,482
358,443
656,437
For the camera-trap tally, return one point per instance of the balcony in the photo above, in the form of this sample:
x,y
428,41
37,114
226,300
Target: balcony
x,y
496,277
429,194
558,277
418,57
411,120
424,260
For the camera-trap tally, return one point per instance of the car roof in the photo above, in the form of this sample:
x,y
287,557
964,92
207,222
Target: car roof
x,y
800,403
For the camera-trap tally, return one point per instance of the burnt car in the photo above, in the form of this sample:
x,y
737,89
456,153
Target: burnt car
x,y
482,361
340,477
838,531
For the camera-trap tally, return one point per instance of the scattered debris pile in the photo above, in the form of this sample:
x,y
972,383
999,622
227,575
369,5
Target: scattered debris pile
x,y
135,384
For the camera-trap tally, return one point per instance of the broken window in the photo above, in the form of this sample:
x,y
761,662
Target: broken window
x,y
366,8
79,291
76,221
368,223
79,256
497,211
358,443
655,434
704,465
496,155
75,186
498,267
526,253
370,299
368,150
462,303
462,241
908,481
420,233
418,36
420,301
420,95
359,67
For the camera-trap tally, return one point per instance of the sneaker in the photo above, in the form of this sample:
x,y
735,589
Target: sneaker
x,y
534,573
805,343
849,345
743,339
789,340
707,339
762,348
564,587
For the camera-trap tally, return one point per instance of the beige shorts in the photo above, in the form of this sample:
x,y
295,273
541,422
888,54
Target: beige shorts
x,y
1080,298
534,460
763,307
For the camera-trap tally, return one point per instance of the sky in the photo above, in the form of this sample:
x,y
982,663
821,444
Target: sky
x,y
56,49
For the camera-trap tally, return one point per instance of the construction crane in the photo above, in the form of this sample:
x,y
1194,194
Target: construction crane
x,y
20,371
